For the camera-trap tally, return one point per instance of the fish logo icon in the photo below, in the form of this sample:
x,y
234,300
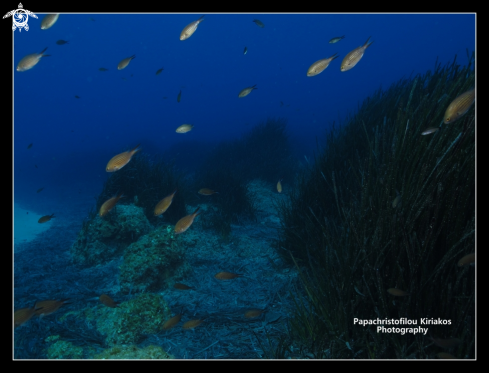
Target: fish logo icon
x,y
20,17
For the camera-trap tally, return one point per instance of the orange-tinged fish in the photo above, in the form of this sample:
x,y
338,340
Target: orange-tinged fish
x,y
467,259
184,128
190,29
279,186
47,307
48,21
23,315
120,160
107,301
259,23
170,323
192,324
397,292
246,91
31,60
226,275
352,58
123,64
459,106
163,205
250,314
109,205
183,287
319,66
207,192
184,223
45,218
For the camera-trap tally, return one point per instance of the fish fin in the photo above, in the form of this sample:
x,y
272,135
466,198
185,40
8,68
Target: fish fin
x,y
120,195
196,211
133,56
44,50
201,18
334,56
254,87
135,149
52,216
367,44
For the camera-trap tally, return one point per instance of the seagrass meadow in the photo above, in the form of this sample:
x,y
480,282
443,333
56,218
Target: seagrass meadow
x,y
385,207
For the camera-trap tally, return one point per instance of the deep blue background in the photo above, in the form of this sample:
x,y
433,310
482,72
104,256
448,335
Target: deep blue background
x,y
74,138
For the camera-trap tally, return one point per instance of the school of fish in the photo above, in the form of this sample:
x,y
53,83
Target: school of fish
x,y
455,110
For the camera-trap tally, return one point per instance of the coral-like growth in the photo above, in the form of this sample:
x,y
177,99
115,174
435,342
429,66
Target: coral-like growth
x,y
62,350
133,352
386,207
147,181
152,260
101,239
131,320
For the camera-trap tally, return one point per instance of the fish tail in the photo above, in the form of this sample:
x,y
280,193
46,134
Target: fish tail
x,y
120,195
367,44
342,37
135,149
334,56
133,56
52,216
196,212
201,18
44,50
254,87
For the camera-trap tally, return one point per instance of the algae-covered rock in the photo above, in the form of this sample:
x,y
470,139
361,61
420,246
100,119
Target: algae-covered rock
x,y
150,262
131,320
60,349
103,238
133,352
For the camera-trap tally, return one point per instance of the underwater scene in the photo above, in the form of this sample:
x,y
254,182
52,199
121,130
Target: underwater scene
x,y
243,186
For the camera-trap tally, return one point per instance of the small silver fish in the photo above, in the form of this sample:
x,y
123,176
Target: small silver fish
x,y
190,29
430,130
31,60
335,40
123,64
319,66
184,128
246,91
459,106
352,58
48,21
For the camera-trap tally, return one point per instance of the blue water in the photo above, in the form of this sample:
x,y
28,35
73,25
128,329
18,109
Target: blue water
x,y
74,138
